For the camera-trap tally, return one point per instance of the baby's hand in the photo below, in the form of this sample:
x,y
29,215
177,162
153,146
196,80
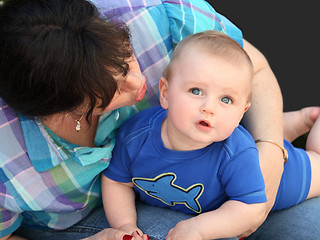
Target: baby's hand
x,y
130,228
184,230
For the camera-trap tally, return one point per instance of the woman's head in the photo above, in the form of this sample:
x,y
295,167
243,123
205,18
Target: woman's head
x,y
56,55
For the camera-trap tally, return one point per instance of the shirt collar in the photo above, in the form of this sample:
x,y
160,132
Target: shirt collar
x,y
46,150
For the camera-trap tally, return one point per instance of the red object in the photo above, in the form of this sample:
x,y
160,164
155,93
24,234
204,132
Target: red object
x,y
127,237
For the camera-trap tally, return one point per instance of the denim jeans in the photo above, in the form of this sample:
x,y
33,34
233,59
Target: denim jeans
x,y
299,222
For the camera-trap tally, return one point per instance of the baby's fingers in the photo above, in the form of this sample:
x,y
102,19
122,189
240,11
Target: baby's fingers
x,y
138,234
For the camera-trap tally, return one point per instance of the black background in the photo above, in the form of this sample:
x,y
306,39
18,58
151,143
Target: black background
x,y
287,34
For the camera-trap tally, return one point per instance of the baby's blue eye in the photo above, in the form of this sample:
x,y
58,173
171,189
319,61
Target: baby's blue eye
x,y
196,91
226,100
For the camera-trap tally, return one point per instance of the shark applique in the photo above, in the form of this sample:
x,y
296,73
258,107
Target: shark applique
x,y
163,188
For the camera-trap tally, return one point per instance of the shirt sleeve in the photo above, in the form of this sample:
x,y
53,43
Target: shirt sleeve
x,y
118,170
192,16
9,222
242,178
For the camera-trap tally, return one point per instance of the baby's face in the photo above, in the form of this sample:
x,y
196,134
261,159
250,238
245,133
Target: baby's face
x,y
207,97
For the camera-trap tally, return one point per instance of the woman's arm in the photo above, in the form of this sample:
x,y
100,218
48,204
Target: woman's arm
x,y
230,220
264,120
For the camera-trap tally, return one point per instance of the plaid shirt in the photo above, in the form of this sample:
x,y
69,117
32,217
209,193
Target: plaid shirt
x,y
46,182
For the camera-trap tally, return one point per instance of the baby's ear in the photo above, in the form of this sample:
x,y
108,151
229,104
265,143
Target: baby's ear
x,y
247,106
163,92
245,109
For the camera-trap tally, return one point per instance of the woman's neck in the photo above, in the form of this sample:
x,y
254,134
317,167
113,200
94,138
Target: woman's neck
x,y
64,126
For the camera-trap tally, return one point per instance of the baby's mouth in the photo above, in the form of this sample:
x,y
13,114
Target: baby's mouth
x,y
204,123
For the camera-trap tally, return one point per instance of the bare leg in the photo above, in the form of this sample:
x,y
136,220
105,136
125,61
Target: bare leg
x,y
299,122
313,150
314,138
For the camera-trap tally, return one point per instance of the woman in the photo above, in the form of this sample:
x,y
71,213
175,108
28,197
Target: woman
x,y
64,73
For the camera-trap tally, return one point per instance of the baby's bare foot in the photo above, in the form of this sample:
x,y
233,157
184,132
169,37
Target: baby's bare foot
x,y
299,122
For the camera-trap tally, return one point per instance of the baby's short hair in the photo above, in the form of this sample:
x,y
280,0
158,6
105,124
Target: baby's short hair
x,y
212,42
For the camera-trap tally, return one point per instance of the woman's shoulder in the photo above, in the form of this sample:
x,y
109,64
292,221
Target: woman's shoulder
x,y
3,105
7,114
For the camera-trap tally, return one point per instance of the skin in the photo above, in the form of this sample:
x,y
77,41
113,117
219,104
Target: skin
x,y
131,88
264,119
208,85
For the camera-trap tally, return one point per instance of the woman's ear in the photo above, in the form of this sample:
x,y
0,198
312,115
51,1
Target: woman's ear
x,y
163,92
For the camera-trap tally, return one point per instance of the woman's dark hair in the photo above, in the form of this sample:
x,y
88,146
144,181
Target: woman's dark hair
x,y
57,54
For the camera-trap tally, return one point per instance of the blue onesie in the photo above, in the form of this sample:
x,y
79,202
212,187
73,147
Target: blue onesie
x,y
199,180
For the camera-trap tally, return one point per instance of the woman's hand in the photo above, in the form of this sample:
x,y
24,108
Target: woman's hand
x,y
129,228
114,234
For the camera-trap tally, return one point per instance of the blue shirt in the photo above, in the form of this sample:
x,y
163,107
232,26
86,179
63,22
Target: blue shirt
x,y
189,181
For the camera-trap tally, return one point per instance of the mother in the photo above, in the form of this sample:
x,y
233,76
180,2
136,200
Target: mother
x,y
64,72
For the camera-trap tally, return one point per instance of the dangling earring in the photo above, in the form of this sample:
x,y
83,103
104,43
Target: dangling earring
x,y
78,126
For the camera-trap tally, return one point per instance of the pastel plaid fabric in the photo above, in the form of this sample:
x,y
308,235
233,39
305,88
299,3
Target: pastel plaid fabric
x,y
46,182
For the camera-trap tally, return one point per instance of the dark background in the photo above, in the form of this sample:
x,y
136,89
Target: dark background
x,y
287,34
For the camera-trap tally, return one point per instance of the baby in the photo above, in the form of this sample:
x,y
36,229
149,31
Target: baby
x,y
192,155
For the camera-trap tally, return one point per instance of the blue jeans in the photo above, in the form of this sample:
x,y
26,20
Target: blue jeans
x,y
299,222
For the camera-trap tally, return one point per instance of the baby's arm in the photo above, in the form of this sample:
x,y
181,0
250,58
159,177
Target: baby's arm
x,y
119,205
230,220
